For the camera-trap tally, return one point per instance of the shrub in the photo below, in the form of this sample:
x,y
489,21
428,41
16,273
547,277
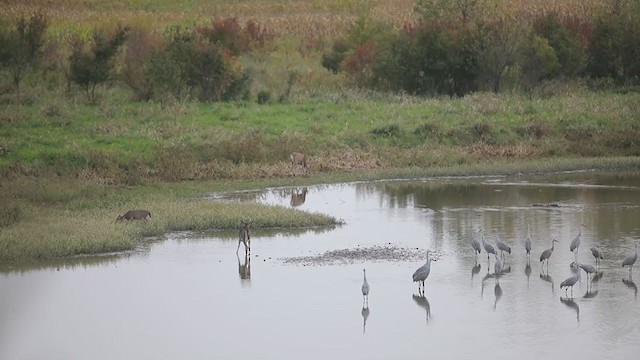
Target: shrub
x,y
566,44
614,50
537,61
92,66
263,96
431,59
136,73
20,46
332,61
392,130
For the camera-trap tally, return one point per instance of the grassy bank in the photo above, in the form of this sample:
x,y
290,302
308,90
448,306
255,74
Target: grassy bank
x,y
135,143
49,218
49,232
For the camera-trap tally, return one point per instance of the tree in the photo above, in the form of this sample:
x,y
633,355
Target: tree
x,y
537,61
20,47
92,66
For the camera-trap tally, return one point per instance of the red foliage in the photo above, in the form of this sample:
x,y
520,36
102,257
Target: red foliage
x,y
359,66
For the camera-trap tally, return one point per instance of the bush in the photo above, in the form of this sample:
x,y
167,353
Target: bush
x,y
392,130
189,65
614,50
263,96
431,59
90,64
21,45
566,43
332,61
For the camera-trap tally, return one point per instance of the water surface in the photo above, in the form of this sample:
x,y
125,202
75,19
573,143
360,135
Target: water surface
x,y
191,297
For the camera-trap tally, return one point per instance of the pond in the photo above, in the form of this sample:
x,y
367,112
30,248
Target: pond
x,y
299,293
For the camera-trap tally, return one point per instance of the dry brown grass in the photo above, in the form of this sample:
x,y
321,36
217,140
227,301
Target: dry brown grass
x,y
304,19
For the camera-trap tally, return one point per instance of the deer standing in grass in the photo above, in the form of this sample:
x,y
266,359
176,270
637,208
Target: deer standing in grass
x,y
135,215
245,237
298,159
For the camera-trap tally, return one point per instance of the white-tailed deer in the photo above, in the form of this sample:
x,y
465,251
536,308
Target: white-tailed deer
x,y
135,215
297,198
298,159
245,237
244,269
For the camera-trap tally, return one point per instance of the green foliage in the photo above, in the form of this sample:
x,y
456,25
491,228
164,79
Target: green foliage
x,y
189,65
615,49
332,61
263,96
431,59
537,61
565,42
387,131
92,66
21,45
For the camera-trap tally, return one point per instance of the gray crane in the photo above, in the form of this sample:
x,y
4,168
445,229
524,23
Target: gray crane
x,y
527,242
546,254
497,267
590,270
502,246
597,253
575,243
365,289
422,273
488,248
475,244
569,282
630,260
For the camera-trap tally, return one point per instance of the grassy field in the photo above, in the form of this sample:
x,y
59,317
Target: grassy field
x,y
69,167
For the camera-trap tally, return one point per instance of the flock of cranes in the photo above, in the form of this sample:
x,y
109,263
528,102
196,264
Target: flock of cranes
x,y
422,273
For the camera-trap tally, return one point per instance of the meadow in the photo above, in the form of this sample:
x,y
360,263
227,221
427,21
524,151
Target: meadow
x,y
69,166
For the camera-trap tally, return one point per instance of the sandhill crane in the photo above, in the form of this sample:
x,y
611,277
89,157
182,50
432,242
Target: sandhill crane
x,y
575,243
527,242
546,254
630,260
597,253
502,246
422,273
475,244
497,267
365,289
569,282
488,248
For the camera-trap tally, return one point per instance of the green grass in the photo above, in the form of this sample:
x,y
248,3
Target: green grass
x,y
63,230
140,143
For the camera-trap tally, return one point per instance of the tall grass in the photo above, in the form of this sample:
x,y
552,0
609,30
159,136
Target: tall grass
x,y
55,233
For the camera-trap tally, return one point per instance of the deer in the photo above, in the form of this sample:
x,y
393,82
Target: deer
x,y
297,198
135,215
244,269
244,236
298,159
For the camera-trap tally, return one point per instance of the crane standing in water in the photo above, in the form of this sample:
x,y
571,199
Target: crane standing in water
x,y
630,260
365,289
597,253
488,248
527,243
575,243
502,246
546,254
422,273
475,244
570,281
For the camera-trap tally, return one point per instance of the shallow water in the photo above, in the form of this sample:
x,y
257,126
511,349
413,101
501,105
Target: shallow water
x,y
190,297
